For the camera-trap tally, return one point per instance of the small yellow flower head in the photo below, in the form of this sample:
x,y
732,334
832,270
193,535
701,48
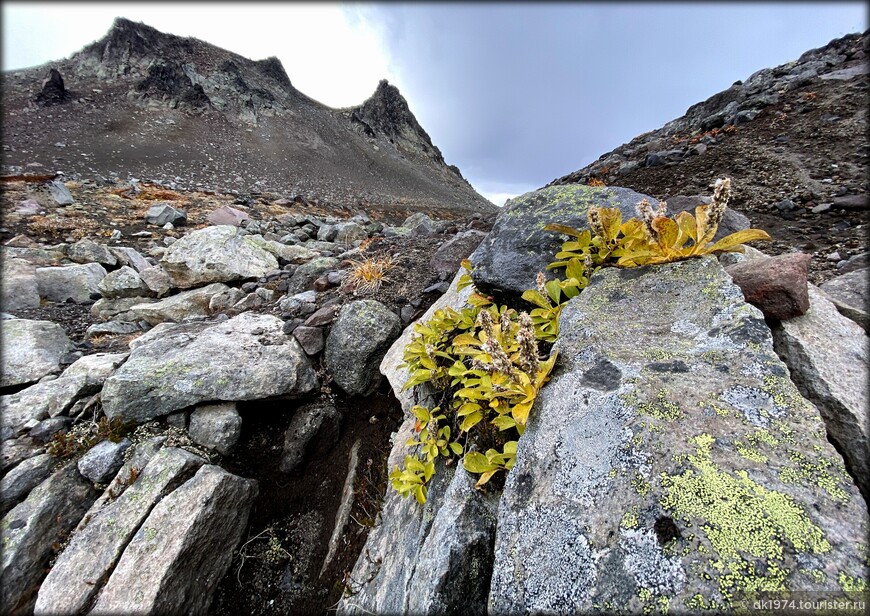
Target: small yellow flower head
x,y
594,217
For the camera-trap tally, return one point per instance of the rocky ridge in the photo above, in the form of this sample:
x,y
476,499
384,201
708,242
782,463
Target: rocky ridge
x,y
137,98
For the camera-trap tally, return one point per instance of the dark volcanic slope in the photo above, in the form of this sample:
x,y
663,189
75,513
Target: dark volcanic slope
x,y
166,108
794,140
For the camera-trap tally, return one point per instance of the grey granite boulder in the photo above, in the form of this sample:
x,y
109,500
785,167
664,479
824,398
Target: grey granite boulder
x,y
430,559
828,357
41,400
103,460
18,288
419,224
89,251
123,282
176,308
17,483
247,357
162,213
106,529
307,273
72,282
349,232
451,253
97,367
131,257
119,308
215,254
357,343
31,531
60,193
670,462
850,295
518,247
183,549
30,350
217,426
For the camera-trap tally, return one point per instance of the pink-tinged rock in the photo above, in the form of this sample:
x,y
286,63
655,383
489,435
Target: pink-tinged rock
x,y
226,215
776,285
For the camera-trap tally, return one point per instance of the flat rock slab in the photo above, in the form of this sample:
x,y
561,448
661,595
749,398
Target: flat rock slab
x,y
17,483
247,357
215,254
42,400
182,550
30,350
97,546
71,282
518,247
31,531
670,463
175,308
829,360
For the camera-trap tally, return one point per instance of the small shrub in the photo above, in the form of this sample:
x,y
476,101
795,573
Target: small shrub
x,y
85,435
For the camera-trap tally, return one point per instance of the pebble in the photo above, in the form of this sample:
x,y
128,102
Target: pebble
x,y
834,256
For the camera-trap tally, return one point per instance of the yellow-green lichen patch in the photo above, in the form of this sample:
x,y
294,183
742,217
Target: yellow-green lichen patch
x,y
750,449
851,584
629,519
747,525
662,408
785,395
817,473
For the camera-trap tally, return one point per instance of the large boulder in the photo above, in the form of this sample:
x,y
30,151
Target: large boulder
x,y
670,462
183,549
850,295
518,247
827,355
32,531
89,251
357,342
177,368
106,530
451,253
215,254
18,482
73,282
123,282
30,350
18,288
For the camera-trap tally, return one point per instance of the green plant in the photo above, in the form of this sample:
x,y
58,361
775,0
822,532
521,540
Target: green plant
x,y
485,359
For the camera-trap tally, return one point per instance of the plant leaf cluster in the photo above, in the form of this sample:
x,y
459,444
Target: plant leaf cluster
x,y
485,359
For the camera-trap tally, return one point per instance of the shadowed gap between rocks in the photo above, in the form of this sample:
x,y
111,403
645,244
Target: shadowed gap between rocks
x,y
279,566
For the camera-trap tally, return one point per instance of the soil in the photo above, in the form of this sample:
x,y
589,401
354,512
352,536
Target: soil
x,y
276,570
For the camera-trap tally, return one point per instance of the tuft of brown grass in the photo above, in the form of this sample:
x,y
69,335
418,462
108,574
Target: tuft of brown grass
x,y
367,276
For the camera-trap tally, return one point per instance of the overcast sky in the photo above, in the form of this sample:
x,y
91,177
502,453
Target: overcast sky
x,y
514,94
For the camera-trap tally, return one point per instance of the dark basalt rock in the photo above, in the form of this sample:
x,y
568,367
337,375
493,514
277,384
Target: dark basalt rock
x,y
53,90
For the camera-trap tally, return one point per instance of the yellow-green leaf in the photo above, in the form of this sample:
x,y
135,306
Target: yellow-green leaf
x,y
738,237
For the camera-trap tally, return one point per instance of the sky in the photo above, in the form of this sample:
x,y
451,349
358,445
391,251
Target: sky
x,y
514,94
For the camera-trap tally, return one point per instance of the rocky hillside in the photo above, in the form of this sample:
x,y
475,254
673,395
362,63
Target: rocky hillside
x,y
179,111
794,140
